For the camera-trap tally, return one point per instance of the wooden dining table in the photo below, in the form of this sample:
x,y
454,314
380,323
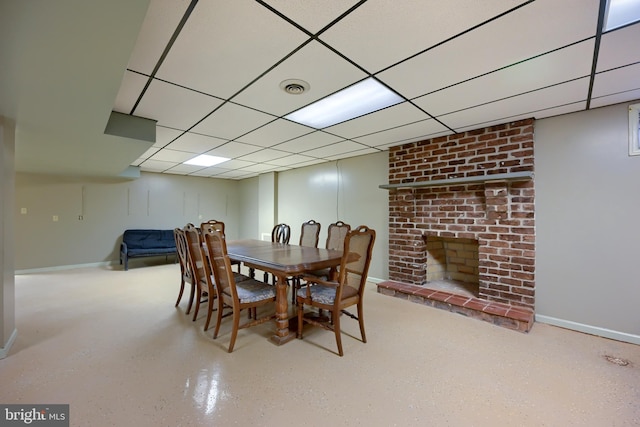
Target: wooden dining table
x,y
283,261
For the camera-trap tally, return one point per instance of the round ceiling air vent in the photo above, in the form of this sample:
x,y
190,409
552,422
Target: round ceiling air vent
x,y
294,86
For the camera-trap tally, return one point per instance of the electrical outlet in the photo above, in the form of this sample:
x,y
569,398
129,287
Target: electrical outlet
x,y
55,218
80,217
23,211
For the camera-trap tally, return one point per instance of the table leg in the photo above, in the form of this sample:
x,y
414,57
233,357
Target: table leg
x,y
283,335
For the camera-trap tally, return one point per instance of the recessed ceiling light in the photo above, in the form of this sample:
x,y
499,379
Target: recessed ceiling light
x,y
206,160
621,12
365,97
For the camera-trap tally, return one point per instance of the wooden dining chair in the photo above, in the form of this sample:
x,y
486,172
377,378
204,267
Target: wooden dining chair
x,y
204,289
186,276
336,232
309,236
212,224
310,233
346,291
281,233
247,294
218,225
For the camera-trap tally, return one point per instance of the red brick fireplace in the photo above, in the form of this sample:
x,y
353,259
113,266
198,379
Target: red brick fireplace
x,y
462,210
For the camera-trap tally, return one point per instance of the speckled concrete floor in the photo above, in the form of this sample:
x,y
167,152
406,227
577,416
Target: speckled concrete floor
x,y
111,344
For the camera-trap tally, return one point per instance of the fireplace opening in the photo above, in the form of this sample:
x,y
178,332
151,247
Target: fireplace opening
x,y
452,265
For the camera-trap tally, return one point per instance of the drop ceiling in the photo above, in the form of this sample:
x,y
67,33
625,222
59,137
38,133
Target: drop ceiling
x,y
209,73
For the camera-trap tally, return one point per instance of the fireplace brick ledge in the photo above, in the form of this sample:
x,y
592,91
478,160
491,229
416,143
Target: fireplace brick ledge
x,y
512,317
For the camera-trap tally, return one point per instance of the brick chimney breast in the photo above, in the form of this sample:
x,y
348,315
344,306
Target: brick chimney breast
x,y
497,215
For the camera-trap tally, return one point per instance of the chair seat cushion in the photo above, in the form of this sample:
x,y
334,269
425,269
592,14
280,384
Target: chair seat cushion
x,y
238,277
321,274
250,290
326,294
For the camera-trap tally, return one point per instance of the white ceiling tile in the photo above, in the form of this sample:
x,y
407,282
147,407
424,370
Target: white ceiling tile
x,y
534,29
553,68
162,18
618,48
555,111
201,174
380,32
540,114
308,142
227,44
397,115
266,94
626,96
264,155
156,165
184,169
172,156
235,164
195,143
275,133
309,163
616,81
173,171
130,88
313,15
450,56
526,105
233,150
165,135
334,149
230,174
291,160
173,106
231,121
354,153
414,139
281,168
150,152
422,128
258,167
210,171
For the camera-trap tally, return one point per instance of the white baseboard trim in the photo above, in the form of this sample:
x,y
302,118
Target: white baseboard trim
x,y
588,329
4,351
374,280
65,267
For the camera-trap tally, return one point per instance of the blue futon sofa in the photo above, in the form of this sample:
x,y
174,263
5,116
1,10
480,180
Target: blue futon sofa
x,y
143,243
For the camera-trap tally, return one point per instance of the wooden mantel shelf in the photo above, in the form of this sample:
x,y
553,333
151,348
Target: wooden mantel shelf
x,y
513,176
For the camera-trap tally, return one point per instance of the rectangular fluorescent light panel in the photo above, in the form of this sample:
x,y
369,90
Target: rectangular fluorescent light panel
x,y
621,12
206,160
362,98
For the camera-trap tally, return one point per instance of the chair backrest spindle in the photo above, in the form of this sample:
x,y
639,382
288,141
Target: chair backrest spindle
x,y
281,233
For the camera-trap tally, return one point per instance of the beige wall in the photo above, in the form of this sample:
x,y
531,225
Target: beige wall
x,y
249,194
345,190
108,208
587,211
7,236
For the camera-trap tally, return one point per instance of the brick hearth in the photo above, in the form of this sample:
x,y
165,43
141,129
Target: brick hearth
x,y
512,317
